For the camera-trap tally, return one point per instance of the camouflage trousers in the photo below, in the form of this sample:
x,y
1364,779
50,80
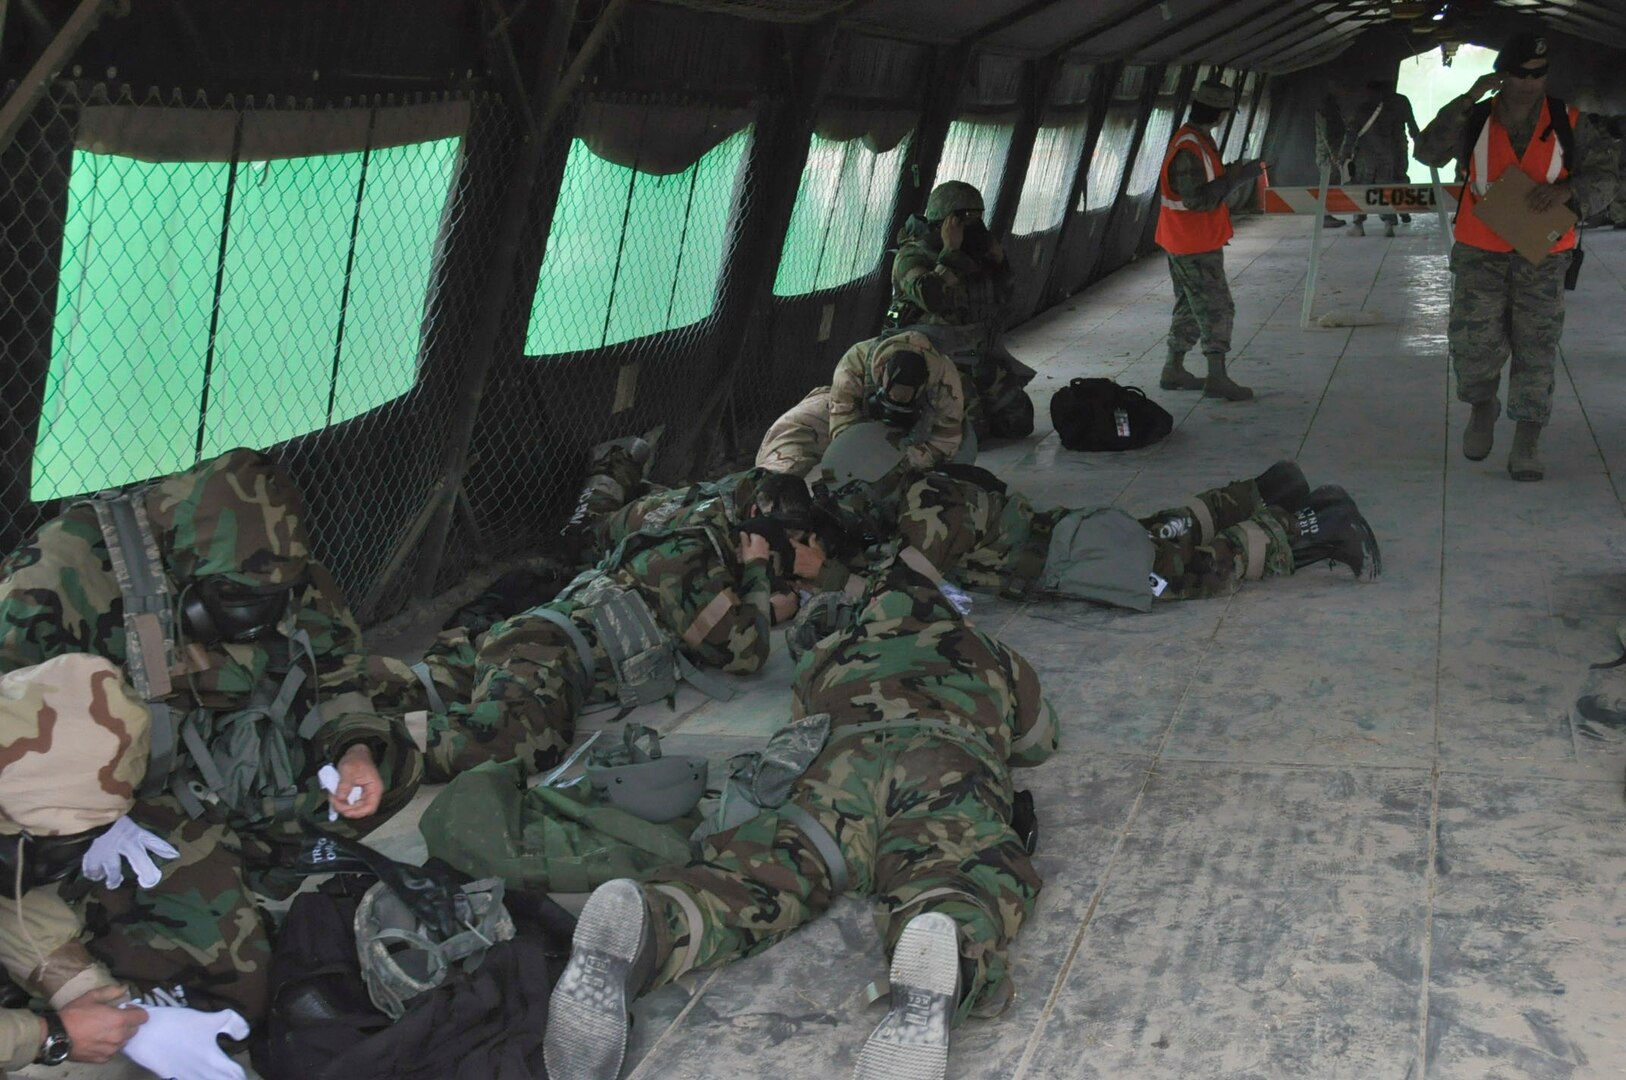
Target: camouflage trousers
x,y
1203,309
523,688
198,928
923,823
1257,547
1503,305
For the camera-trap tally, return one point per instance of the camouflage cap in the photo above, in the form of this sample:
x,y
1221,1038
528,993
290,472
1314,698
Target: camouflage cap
x,y
74,740
951,196
238,516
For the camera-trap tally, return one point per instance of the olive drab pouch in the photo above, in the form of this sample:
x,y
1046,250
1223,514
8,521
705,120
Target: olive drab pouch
x,y
486,823
762,780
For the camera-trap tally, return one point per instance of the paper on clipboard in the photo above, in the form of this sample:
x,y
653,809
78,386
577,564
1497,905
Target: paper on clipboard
x,y
1532,233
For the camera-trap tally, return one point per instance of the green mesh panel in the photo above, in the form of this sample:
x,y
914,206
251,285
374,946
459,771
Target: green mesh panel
x,y
630,253
1110,157
1051,169
1154,145
141,257
838,228
975,152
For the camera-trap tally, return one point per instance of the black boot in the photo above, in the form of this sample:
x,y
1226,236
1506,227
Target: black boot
x,y
1331,527
1283,485
612,961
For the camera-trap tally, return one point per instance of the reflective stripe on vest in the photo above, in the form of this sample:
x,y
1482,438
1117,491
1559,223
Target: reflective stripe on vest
x,y
1493,155
1186,232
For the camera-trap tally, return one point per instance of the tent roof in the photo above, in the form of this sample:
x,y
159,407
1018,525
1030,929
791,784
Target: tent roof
x,y
1268,35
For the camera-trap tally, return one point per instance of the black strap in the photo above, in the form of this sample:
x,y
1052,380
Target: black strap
x,y
1558,122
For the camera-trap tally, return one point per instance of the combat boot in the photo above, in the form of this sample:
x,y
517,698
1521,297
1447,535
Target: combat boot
x,y
1176,377
911,1042
1331,527
612,961
1219,385
1283,485
1358,230
1389,230
1522,462
1476,441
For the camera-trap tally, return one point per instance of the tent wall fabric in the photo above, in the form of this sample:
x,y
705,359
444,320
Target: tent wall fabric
x,y
429,252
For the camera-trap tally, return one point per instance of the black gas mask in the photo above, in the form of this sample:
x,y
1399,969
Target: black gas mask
x,y
217,609
977,241
895,402
43,859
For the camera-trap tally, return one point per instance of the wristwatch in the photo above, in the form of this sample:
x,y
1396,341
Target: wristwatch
x,y
57,1046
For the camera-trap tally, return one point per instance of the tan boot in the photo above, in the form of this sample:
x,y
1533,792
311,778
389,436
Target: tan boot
x,y
1522,462
1476,441
1176,377
1219,385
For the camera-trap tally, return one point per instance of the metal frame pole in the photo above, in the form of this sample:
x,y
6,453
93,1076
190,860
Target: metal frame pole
x,y
1315,247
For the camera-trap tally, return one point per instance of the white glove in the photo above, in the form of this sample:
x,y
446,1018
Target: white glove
x,y
126,842
181,1044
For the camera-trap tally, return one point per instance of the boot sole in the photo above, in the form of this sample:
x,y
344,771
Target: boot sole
x,y
1179,386
911,1042
587,1013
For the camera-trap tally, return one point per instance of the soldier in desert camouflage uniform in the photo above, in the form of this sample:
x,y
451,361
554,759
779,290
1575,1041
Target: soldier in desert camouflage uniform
x,y
1503,305
518,693
899,379
261,627
74,743
909,802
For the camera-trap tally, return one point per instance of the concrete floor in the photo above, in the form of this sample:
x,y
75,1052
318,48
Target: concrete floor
x,y
1319,829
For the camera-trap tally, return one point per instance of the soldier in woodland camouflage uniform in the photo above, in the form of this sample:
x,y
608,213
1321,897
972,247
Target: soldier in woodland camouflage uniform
x,y
909,802
1374,150
983,536
951,282
1502,304
74,742
1193,226
528,679
229,542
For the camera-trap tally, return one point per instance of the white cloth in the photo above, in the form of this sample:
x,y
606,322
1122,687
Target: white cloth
x,y
328,777
126,842
183,1044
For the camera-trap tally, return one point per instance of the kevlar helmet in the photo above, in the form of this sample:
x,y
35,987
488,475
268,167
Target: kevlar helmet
x,y
645,783
863,451
238,516
401,957
952,196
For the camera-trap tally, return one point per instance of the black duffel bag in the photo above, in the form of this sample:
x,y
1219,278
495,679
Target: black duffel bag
x,y
1098,414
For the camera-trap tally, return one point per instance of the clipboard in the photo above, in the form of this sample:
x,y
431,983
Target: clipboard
x,y
1504,210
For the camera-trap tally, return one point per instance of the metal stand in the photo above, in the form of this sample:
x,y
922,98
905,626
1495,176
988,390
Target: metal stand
x,y
1315,247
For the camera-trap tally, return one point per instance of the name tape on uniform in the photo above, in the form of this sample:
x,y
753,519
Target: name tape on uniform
x,y
1359,199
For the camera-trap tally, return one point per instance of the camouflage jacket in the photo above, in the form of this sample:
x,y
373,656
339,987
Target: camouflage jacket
x,y
794,443
697,588
911,656
974,533
237,516
1382,148
719,502
936,435
931,285
1592,176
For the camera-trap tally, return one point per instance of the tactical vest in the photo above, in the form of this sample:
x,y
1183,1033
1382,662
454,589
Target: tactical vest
x,y
1544,161
250,760
1188,232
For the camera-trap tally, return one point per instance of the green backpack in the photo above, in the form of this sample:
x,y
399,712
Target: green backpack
x,y
487,823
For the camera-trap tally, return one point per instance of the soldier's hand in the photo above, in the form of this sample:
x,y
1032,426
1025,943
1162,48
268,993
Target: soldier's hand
x,y
784,606
1485,84
754,548
809,558
1543,196
97,1027
357,771
953,232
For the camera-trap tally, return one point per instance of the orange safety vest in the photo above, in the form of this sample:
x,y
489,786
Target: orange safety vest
x,y
1187,232
1493,155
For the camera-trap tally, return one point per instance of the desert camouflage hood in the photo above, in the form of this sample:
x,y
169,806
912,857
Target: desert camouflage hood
x,y
238,516
73,746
